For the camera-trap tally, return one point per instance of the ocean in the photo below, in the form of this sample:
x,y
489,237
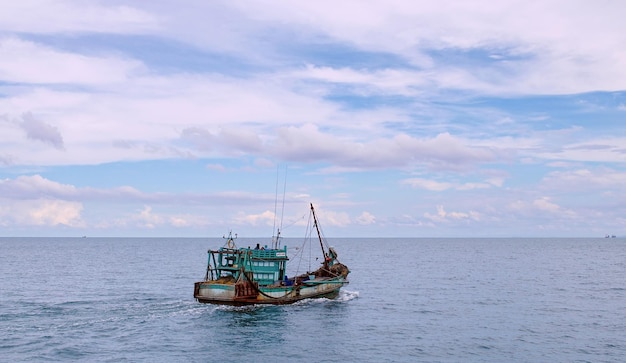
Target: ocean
x,y
409,300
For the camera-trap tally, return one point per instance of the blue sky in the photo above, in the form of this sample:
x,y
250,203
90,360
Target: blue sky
x,y
395,118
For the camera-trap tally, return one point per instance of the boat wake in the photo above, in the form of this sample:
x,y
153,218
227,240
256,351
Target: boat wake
x,y
346,295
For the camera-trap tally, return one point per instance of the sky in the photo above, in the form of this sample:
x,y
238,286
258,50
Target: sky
x,y
394,118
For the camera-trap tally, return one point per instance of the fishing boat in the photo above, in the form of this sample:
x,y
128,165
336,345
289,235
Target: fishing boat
x,y
248,276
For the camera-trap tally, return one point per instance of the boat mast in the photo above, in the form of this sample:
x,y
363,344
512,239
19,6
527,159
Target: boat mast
x,y
319,235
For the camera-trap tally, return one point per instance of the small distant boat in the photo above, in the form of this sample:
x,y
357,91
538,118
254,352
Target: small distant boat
x,y
247,276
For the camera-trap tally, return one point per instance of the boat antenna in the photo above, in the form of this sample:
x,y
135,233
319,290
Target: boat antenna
x,y
275,203
277,230
282,212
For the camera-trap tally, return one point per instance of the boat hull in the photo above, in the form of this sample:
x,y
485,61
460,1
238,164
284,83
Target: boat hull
x,y
227,293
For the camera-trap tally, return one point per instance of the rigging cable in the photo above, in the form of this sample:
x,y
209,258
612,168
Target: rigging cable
x,y
275,208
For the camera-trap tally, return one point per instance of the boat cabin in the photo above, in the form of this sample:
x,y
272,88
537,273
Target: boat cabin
x,y
263,265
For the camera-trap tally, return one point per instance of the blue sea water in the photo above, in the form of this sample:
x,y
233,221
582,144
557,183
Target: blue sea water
x,y
409,300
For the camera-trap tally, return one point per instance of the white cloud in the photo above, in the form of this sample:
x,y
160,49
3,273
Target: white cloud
x,y
437,186
188,220
29,187
216,167
158,109
443,216
41,212
534,47
606,149
307,143
226,141
71,16
265,218
334,218
541,206
371,82
148,219
428,184
544,204
30,62
599,179
366,218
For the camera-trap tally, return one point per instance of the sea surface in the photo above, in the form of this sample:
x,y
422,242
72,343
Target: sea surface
x,y
409,300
